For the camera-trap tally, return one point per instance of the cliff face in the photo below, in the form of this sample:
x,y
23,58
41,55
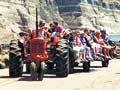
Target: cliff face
x,y
16,15
94,13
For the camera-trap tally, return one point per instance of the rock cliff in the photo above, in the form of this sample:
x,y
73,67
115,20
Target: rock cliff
x,y
16,15
94,13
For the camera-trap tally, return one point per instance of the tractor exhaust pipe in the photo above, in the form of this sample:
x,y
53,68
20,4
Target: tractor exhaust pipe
x,y
36,22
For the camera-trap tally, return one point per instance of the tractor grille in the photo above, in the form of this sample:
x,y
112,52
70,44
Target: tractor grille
x,y
37,47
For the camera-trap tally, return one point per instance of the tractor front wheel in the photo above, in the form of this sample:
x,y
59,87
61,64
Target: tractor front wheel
x,y
33,70
41,71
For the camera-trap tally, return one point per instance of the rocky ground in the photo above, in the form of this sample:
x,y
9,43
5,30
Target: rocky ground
x,y
98,79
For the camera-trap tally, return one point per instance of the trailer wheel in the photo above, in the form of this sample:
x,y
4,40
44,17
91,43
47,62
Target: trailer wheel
x,y
105,63
86,66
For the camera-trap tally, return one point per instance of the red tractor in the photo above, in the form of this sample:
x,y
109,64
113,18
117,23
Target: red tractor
x,y
41,55
55,57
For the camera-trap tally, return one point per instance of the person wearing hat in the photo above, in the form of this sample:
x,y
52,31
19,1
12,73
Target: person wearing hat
x,y
66,34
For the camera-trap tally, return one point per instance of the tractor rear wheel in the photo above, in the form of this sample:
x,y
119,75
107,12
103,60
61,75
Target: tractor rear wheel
x,y
41,71
15,60
71,65
33,70
71,60
72,57
62,58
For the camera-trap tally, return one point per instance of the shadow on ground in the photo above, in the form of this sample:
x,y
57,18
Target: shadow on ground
x,y
92,66
96,67
117,73
25,78
49,74
5,77
52,75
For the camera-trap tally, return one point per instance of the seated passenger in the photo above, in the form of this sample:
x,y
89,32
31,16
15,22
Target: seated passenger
x,y
85,44
107,41
79,48
89,36
105,47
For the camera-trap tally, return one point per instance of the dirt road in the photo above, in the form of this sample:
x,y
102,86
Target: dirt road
x,y
98,79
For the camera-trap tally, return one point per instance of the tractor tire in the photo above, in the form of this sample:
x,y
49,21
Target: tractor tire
x,y
15,60
41,71
62,58
86,66
50,65
71,60
71,65
105,62
33,71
